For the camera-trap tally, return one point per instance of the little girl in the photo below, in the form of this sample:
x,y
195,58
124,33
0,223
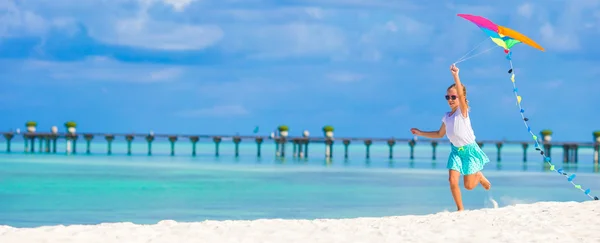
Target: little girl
x,y
466,157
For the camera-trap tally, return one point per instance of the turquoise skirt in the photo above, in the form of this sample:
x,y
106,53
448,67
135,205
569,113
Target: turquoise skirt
x,y
468,159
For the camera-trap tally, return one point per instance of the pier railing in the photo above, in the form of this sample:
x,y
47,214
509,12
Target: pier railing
x,y
47,143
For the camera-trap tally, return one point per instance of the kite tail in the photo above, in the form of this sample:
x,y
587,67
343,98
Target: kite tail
x,y
560,171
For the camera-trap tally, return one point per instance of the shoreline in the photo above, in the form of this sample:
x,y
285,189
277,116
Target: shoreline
x,y
541,221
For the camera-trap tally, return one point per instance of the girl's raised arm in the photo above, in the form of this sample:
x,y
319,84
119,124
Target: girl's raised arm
x,y
462,101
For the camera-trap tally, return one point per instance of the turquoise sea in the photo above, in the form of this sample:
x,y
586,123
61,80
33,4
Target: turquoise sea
x,y
50,189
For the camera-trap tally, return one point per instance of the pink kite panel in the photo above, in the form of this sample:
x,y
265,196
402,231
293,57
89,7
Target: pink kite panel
x,y
480,21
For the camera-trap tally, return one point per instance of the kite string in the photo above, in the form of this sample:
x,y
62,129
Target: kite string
x,y
477,46
535,138
477,54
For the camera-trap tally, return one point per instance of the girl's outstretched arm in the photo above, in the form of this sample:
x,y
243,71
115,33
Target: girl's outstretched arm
x,y
462,101
433,134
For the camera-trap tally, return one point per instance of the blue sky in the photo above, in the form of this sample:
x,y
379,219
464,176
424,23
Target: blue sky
x,y
367,67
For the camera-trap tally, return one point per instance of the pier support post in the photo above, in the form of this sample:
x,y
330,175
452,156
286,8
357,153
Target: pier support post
x,y
525,146
259,141
294,147
276,139
47,141
236,141
29,142
596,135
282,141
149,140
412,144
25,143
41,143
368,143
172,140
566,151
75,138
300,147
217,141
499,151
71,143
32,143
596,152
306,142
434,145
547,149
88,140
54,138
328,148
574,155
346,144
109,139
194,140
8,136
129,139
391,143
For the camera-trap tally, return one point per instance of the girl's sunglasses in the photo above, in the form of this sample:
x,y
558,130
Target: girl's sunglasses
x,y
448,97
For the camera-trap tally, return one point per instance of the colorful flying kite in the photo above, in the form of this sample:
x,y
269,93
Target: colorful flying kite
x,y
507,38
502,36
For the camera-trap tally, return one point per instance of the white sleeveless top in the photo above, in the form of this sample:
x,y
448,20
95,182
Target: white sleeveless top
x,y
458,128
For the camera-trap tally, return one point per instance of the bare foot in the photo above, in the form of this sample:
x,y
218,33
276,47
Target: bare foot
x,y
485,183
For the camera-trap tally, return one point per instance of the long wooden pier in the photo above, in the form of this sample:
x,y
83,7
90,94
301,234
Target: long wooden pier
x,y
47,143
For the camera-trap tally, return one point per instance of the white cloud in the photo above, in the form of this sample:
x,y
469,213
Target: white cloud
x,y
137,31
14,21
166,73
391,26
103,69
378,4
18,22
216,111
282,14
482,10
567,27
398,27
288,39
596,18
162,35
316,28
145,32
247,89
178,5
316,13
400,34
525,10
560,42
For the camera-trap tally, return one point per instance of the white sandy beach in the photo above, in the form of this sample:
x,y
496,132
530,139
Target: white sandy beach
x,y
539,222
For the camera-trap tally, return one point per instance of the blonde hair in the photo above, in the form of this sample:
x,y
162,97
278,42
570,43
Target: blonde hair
x,y
464,91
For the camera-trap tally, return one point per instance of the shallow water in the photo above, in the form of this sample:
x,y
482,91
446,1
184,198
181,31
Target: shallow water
x,y
49,189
